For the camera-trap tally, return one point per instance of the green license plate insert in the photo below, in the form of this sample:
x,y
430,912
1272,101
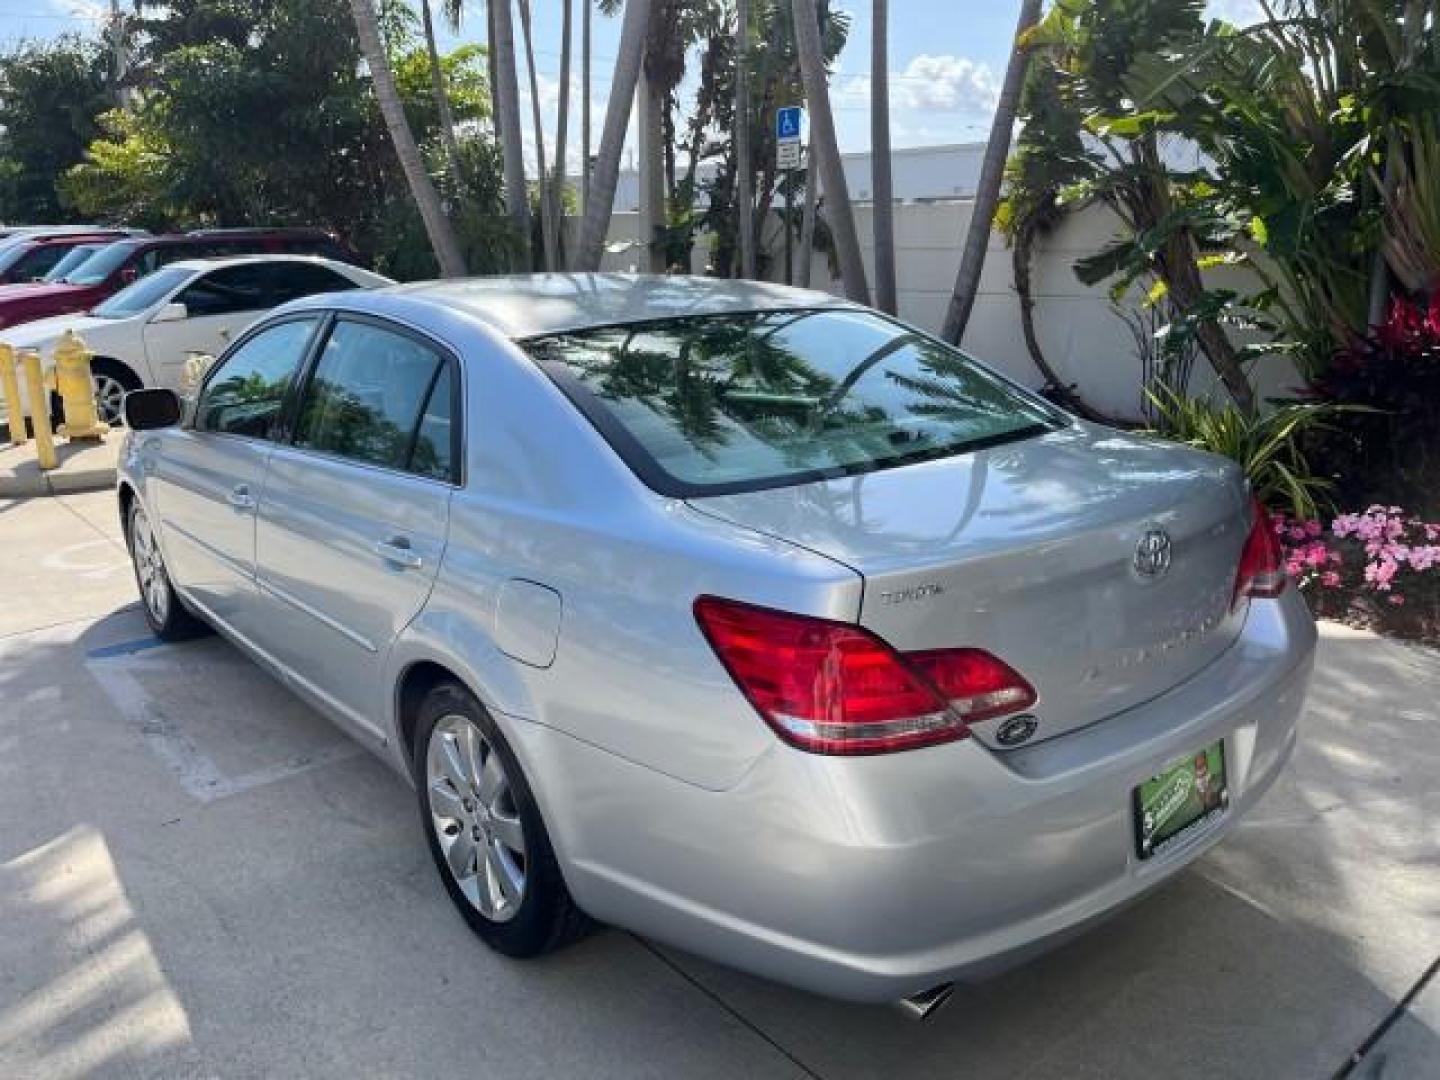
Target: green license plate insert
x,y
1187,794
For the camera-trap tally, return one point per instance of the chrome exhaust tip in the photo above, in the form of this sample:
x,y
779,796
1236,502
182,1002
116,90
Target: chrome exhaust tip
x,y
927,1003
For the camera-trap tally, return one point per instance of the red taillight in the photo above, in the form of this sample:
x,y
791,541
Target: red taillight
x,y
1262,564
834,688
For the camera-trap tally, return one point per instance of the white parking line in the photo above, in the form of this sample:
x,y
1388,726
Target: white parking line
x,y
193,768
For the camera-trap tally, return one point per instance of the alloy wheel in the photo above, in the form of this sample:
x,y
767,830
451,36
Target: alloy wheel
x,y
149,567
109,397
476,821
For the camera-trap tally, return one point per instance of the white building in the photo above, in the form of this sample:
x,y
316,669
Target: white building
x,y
921,173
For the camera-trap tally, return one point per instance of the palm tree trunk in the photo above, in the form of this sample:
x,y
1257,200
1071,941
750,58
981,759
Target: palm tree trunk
x,y
822,128
492,71
585,108
612,139
744,168
881,172
517,199
422,189
547,218
1411,40
652,166
1181,273
442,98
1022,257
992,174
807,224
562,134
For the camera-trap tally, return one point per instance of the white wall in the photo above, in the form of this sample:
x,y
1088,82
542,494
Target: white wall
x,y
1084,339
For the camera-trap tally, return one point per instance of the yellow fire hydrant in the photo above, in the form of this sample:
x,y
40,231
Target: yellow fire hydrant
x,y
77,389
10,386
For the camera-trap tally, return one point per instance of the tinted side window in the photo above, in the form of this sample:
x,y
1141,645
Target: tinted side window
x,y
153,258
235,288
37,263
365,398
247,392
433,455
290,281
314,246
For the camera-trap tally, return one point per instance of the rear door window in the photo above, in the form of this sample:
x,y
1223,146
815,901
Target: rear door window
x,y
228,291
371,399
292,280
246,393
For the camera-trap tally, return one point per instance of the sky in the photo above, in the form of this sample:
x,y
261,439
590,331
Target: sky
x,y
947,59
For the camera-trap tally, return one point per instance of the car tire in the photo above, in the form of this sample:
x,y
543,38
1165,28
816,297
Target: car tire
x,y
112,378
473,795
168,617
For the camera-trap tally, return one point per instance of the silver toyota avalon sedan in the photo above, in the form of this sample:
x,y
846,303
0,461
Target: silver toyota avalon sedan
x,y
741,616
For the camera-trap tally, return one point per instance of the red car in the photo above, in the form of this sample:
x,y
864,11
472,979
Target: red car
x,y
126,261
26,258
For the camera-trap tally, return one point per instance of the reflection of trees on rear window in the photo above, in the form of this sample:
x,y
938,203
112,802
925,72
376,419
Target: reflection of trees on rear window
x,y
766,398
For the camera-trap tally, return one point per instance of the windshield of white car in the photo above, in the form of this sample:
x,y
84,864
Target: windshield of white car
x,y
143,295
72,260
712,405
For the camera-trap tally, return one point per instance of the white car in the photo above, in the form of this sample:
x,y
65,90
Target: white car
x,y
143,335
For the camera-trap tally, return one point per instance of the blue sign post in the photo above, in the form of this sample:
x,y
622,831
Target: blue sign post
x,y
788,122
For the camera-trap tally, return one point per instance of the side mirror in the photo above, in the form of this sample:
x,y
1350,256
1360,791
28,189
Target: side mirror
x,y
146,410
129,275
171,313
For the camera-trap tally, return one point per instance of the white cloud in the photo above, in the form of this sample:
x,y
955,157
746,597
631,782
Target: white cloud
x,y
1239,12
82,9
928,83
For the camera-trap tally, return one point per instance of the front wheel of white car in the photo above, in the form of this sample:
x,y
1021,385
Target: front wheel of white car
x,y
113,380
485,831
168,618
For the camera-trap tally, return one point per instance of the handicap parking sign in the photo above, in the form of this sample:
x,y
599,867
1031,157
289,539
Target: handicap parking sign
x,y
787,123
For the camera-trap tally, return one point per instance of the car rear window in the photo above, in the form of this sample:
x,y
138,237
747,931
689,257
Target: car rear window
x,y
712,405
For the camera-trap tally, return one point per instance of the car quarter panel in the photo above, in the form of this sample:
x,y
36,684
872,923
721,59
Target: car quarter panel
x,y
874,878
547,501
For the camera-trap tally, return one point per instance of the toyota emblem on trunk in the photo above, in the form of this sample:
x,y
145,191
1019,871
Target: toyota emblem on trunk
x,y
1153,553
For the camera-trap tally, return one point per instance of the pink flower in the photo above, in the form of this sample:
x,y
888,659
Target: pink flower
x,y
1330,579
1381,574
1396,599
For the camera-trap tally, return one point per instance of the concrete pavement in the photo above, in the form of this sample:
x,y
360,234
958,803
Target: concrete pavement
x,y
83,466
200,877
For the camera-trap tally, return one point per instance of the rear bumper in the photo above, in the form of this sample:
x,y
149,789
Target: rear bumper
x,y
875,878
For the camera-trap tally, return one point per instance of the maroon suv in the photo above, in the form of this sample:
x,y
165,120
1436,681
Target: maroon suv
x,y
126,261
29,257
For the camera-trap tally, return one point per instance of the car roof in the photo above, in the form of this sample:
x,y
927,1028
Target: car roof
x,y
103,236
253,257
532,305
238,236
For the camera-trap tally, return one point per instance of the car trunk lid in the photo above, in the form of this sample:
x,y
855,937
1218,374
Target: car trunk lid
x,y
1032,551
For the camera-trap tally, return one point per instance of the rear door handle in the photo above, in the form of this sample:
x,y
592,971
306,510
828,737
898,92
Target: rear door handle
x,y
240,498
397,551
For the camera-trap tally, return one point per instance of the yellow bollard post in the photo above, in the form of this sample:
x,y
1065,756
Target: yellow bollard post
x,y
10,385
77,389
39,408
